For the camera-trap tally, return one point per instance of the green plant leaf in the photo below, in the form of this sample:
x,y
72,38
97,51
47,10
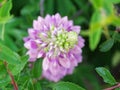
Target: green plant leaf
x,y
116,58
108,7
17,68
115,1
8,55
95,30
30,9
106,75
49,6
116,36
81,73
10,43
116,21
5,9
37,86
5,12
107,45
37,69
4,77
67,8
66,86
117,89
97,3
94,38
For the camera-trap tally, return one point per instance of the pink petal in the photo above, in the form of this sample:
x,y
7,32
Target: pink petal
x,y
76,29
80,42
27,45
76,50
64,62
45,64
40,54
54,68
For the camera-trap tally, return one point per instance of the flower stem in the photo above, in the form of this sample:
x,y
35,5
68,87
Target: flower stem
x,y
42,7
106,33
84,33
12,77
3,31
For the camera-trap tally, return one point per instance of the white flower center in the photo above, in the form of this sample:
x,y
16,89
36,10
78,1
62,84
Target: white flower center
x,y
59,40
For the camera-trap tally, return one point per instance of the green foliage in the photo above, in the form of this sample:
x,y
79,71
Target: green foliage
x,y
97,3
95,30
31,8
81,77
66,86
17,68
67,7
103,15
116,21
4,78
116,36
10,57
115,1
37,69
49,6
106,75
95,36
117,89
107,45
5,12
116,58
37,86
99,22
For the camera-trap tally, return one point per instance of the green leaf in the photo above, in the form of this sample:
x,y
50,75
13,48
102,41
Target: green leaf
x,y
97,3
4,77
4,81
81,73
116,21
30,9
17,68
37,86
108,7
107,45
117,89
37,69
66,86
5,9
95,29
116,58
115,1
105,5
30,85
8,55
49,6
10,43
5,12
67,7
116,36
94,38
106,75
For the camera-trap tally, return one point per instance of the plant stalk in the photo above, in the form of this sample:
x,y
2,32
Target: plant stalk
x,y
12,77
3,31
113,87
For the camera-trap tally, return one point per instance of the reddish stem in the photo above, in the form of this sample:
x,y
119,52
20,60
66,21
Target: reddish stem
x,y
12,77
113,87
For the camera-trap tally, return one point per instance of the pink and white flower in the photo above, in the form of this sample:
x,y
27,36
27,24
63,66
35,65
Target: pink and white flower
x,y
57,41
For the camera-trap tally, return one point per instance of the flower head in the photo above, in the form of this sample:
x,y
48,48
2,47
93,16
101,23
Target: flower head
x,y
57,41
